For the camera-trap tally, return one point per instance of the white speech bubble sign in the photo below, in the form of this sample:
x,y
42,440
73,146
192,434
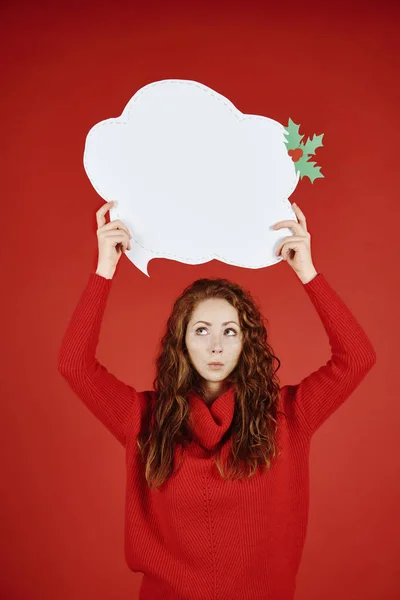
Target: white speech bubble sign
x,y
194,178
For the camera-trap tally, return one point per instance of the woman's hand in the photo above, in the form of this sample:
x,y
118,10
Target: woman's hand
x,y
296,249
113,240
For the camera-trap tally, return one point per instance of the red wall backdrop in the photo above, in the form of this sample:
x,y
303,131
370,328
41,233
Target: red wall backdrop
x,y
332,69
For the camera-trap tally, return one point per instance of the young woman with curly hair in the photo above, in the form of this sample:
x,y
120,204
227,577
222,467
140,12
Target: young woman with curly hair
x,y
217,488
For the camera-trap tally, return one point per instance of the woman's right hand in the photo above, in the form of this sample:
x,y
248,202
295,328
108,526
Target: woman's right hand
x,y
113,239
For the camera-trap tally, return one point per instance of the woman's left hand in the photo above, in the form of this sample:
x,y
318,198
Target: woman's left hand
x,y
296,249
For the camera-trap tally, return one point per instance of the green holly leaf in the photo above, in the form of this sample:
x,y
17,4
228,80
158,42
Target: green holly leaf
x,y
293,136
308,169
294,141
312,144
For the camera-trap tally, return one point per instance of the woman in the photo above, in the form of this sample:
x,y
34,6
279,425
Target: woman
x,y
217,486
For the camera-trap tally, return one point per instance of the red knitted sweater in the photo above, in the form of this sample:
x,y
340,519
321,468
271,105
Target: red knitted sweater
x,y
199,537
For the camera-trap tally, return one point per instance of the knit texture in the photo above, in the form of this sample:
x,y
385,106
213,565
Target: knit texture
x,y
200,537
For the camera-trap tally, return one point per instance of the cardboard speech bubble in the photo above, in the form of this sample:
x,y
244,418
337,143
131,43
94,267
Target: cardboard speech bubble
x,y
194,178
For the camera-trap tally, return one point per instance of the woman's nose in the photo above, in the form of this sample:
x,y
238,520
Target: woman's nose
x,y
216,346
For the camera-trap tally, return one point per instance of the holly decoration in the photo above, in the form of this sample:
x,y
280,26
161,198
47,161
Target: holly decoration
x,y
300,152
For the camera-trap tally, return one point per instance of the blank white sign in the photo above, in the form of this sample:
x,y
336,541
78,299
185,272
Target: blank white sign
x,y
195,179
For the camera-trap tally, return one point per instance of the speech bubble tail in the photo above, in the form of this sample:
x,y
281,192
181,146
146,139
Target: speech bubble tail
x,y
140,258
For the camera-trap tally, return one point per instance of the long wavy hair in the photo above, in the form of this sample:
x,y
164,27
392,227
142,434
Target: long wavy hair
x,y
257,389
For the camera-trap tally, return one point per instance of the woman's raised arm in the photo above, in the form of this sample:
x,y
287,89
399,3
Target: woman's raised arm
x,y
113,402
321,393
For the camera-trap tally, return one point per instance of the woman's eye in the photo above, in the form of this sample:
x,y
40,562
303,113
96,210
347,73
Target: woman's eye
x,y
199,328
204,328
231,329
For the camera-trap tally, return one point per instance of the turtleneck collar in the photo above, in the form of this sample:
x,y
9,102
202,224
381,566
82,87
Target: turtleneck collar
x,y
210,423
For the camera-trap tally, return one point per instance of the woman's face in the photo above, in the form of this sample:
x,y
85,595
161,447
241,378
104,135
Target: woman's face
x,y
213,334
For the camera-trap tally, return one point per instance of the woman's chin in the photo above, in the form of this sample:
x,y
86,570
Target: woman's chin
x,y
214,377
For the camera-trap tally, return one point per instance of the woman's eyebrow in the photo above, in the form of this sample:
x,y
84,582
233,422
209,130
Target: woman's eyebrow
x,y
209,324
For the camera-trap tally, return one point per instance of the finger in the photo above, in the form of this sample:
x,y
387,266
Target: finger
x,y
119,239
287,253
289,249
116,234
300,215
288,240
296,227
100,214
114,225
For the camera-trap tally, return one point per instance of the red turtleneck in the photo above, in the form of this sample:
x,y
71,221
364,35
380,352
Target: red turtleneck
x,y
199,537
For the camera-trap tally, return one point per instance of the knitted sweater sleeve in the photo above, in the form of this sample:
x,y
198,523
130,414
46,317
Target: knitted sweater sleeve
x,y
322,392
109,399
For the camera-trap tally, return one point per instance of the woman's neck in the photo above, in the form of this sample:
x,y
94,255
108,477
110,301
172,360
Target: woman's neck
x,y
211,390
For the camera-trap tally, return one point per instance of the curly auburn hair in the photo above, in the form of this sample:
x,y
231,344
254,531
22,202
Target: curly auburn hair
x,y
257,389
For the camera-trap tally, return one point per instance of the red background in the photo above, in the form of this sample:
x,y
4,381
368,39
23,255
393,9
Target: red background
x,y
332,69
